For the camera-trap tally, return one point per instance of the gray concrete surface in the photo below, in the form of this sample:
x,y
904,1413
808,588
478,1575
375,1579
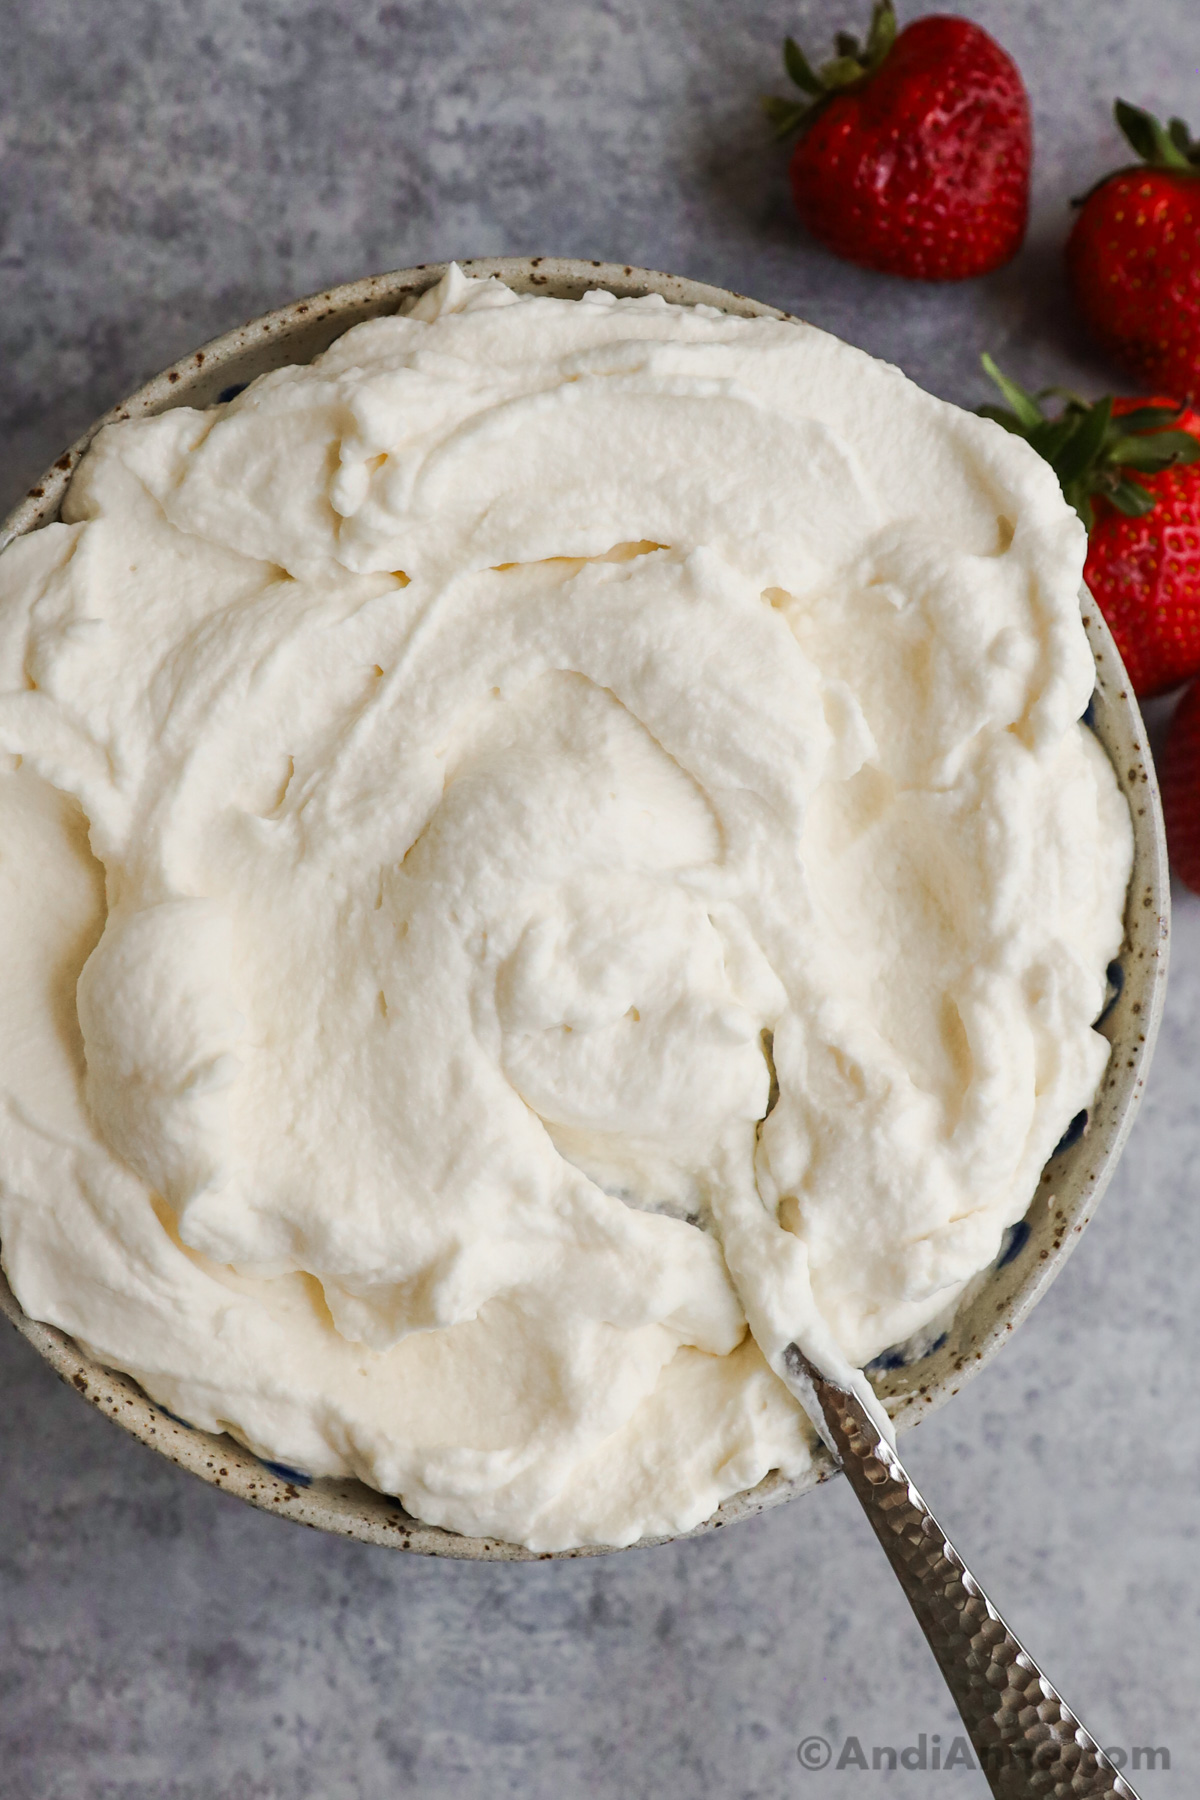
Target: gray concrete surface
x,y
169,169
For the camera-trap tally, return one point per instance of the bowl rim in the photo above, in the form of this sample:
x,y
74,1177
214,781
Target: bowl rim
x,y
1070,1186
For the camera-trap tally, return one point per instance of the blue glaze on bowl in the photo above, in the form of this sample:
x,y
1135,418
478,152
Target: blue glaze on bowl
x,y
285,1473
296,1476
1072,1134
903,1356
1116,984
1016,1237
174,1417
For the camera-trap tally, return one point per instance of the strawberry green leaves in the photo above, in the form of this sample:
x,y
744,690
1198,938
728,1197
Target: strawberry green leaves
x,y
1162,146
853,63
1026,413
1090,451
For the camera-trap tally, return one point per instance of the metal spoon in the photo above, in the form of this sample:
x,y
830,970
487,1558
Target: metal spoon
x,y
1027,1739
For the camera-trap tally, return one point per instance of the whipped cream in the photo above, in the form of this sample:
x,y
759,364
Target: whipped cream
x,y
551,835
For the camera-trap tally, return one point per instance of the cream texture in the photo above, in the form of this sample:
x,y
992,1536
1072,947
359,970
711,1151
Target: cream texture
x,y
558,830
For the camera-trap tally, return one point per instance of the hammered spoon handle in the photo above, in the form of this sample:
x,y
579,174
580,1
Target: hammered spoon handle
x,y
1027,1740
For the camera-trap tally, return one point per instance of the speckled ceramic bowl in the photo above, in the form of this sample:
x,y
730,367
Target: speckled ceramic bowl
x,y
1073,1180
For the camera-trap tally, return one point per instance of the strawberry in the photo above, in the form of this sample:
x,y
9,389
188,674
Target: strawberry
x,y
1133,256
1127,467
1181,788
914,150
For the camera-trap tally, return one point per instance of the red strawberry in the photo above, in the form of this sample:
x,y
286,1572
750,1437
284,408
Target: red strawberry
x,y
914,150
1181,788
1133,256
1144,570
1128,467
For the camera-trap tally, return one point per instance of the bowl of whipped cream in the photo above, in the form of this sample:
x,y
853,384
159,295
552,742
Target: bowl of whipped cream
x,y
560,831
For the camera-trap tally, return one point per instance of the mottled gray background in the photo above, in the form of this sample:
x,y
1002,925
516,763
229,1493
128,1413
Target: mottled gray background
x,y
171,168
